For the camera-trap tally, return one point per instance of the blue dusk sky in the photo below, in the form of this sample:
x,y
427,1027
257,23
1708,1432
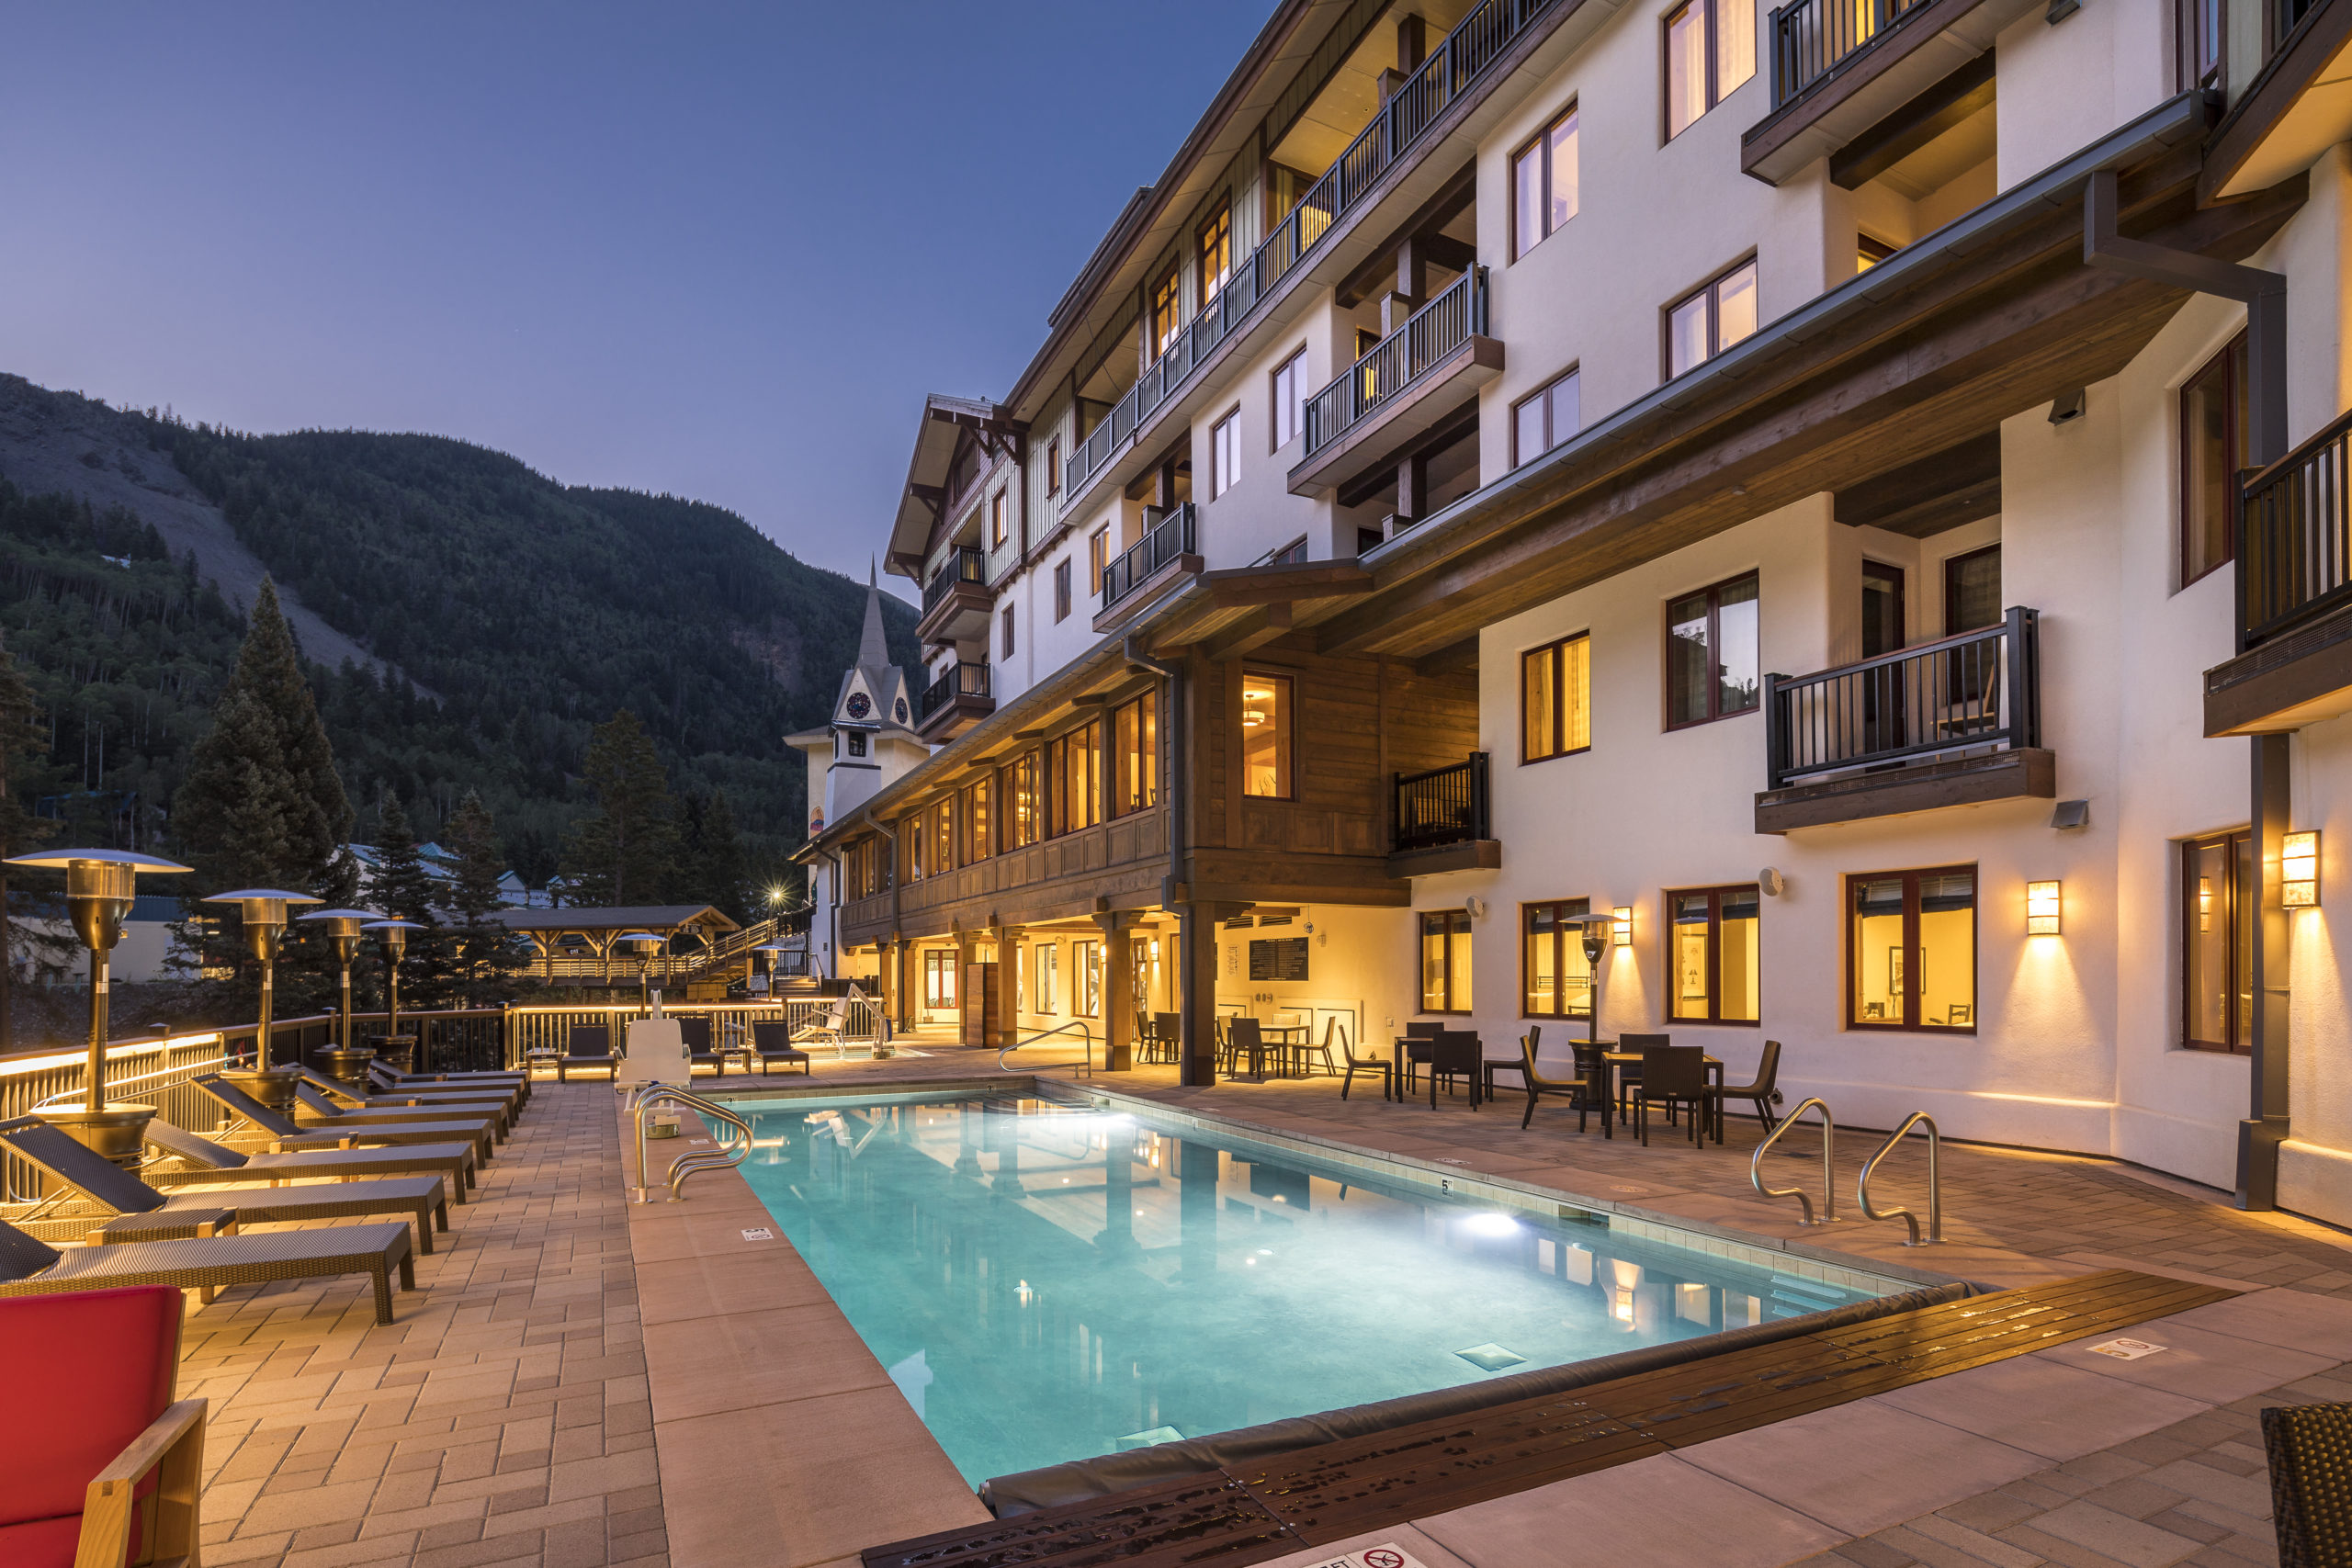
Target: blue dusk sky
x,y
721,251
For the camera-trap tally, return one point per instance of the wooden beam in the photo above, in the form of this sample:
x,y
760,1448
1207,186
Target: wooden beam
x,y
1912,126
1378,273
1959,484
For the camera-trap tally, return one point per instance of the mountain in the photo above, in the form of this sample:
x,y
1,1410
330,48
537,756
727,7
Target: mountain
x,y
475,617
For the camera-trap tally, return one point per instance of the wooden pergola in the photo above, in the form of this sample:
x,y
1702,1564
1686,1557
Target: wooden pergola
x,y
595,928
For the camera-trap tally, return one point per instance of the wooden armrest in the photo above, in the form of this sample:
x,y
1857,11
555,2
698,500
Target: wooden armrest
x,y
173,1442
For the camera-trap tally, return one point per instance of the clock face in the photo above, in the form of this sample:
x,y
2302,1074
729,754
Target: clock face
x,y
860,705
900,710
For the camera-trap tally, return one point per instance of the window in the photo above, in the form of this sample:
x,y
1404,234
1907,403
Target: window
x,y
1098,555
1086,978
980,821
1972,590
1225,454
2218,891
1544,184
1292,554
1166,300
1702,325
862,872
1445,961
1869,253
2212,448
1712,954
1290,394
1214,249
911,846
1048,987
1134,755
1558,981
938,978
1053,467
1544,419
857,743
1061,588
943,837
1710,50
1024,813
1711,668
1265,735
1555,699
996,517
1911,950
2201,42
1076,761
1007,639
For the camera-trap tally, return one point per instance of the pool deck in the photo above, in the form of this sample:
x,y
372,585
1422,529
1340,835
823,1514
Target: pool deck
x,y
581,1380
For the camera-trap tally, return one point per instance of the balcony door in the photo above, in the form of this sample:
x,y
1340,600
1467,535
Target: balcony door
x,y
1882,705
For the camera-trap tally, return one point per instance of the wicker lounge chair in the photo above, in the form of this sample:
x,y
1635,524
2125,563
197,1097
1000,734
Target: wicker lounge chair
x,y
281,1134
508,1096
184,1159
772,1042
339,1098
2310,1450
588,1045
114,1199
29,1267
102,1465
519,1082
700,1053
326,1114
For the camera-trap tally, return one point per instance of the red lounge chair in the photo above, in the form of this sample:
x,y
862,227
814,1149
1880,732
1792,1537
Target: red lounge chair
x,y
101,1466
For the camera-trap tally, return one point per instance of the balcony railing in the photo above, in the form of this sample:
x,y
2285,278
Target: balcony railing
x,y
1169,538
965,564
1810,38
959,679
2295,528
1451,69
1444,805
1980,688
1398,360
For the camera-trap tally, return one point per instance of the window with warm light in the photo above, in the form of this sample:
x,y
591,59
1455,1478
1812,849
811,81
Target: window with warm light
x,y
1711,319
1911,950
2218,891
1445,961
1265,735
999,509
1047,990
1555,699
1025,815
1166,301
979,820
943,837
1544,184
939,977
1710,50
1134,755
1086,978
1075,764
1214,249
1556,977
1714,955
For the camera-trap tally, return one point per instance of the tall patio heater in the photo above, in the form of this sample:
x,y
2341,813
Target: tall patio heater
x,y
645,944
1597,932
261,914
342,926
99,886
392,937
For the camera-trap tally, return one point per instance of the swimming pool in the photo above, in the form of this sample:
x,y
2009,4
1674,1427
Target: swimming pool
x,y
1047,1283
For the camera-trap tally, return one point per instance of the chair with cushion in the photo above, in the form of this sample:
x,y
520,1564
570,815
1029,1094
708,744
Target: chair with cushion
x,y
2310,1450
700,1051
588,1045
102,1466
1583,1092
517,1083
772,1043
392,1091
1762,1092
1672,1076
1355,1063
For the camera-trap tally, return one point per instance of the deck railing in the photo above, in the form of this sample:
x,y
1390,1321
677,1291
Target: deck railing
x,y
1451,69
1811,39
1980,688
1398,361
1167,539
2295,533
958,680
1444,805
964,563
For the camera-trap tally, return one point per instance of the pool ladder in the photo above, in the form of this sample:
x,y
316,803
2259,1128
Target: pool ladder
x,y
1085,1068
728,1153
1935,1228
1935,1186
1828,1164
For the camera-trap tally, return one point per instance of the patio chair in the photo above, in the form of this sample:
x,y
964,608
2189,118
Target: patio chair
x,y
1581,1090
1454,1053
772,1042
1167,1036
1494,1065
103,1466
1631,1074
1320,1049
1762,1092
1243,1039
588,1045
312,1091
517,1083
385,1089
2310,1450
1380,1065
186,1159
1415,1053
30,1267
1673,1075
114,1199
700,1053
282,1134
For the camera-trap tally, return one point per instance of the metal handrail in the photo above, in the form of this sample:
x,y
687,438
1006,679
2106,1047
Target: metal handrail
x,y
648,1097
1935,1187
1829,1165
1086,1067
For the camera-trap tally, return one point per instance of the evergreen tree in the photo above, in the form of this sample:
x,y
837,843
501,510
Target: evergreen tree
x,y
489,965
402,889
626,850
715,855
22,742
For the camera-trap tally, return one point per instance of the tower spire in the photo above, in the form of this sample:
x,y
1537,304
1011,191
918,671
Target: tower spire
x,y
873,651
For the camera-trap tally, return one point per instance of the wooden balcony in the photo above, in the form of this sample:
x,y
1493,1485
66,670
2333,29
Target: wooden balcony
x,y
957,602
2294,594
954,703
1407,382
1956,722
1444,820
1168,551
1124,860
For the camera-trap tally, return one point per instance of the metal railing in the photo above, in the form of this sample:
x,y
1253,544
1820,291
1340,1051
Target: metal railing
x,y
1444,805
964,563
726,1155
1170,537
1398,361
1828,1164
1935,1185
1811,39
958,680
1451,69
2295,538
1085,1068
1981,688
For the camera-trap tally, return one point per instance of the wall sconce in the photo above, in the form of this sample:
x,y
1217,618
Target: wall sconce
x,y
2299,871
1620,925
2041,909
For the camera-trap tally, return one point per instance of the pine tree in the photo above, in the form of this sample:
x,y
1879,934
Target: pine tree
x,y
717,855
488,964
22,741
404,890
627,850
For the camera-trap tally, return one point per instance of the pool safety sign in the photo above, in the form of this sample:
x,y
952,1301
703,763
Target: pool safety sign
x,y
1389,1555
2126,1350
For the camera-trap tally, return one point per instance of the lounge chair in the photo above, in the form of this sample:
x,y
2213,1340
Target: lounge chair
x,y
695,1032
327,1115
30,1267
378,1091
338,1097
185,1159
588,1045
772,1042
2308,1447
281,1134
115,1200
1355,1063
103,1466
518,1081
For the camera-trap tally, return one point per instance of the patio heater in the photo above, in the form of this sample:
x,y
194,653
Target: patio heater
x,y
392,937
99,886
261,914
773,948
645,944
343,927
1597,931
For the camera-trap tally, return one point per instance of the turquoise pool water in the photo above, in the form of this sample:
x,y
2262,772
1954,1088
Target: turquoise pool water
x,y
1046,1283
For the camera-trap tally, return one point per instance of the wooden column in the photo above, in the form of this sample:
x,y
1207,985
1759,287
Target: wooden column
x,y
1196,992
1118,982
1008,984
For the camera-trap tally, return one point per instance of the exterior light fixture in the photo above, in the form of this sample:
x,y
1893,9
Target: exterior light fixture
x,y
1596,935
1621,919
2041,909
2299,871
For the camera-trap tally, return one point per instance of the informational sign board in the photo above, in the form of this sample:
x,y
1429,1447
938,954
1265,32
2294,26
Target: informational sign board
x,y
1279,958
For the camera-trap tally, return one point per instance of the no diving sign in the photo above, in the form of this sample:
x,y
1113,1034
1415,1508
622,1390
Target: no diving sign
x,y
1387,1555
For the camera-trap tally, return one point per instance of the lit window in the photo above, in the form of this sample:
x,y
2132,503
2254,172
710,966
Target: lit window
x,y
2218,894
1911,950
1166,300
1544,419
1215,251
1713,948
1704,323
939,978
980,821
2213,449
1134,755
1544,184
1710,50
1711,669
1555,698
1265,735
1869,253
1052,467
1048,989
1225,454
1086,978
1024,822
1074,764
1558,981
1290,398
1445,961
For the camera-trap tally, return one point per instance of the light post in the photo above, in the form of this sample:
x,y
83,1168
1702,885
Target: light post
x,y
392,937
342,926
261,914
99,886
645,944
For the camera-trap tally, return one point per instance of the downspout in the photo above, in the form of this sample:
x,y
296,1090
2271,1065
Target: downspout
x,y
2264,295
1190,1024
832,913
